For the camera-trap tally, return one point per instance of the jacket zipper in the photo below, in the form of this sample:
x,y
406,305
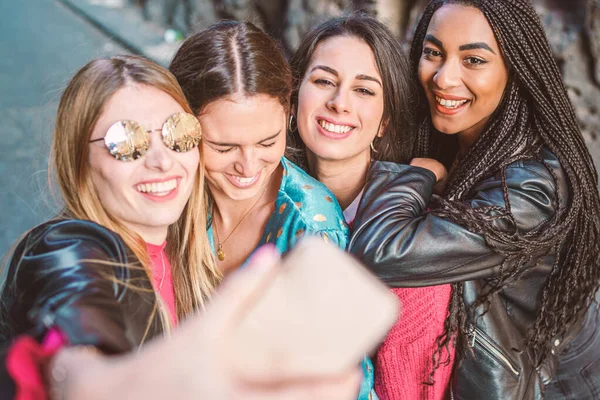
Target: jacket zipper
x,y
478,336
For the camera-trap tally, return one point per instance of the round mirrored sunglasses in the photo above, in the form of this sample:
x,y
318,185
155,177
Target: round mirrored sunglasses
x,y
127,140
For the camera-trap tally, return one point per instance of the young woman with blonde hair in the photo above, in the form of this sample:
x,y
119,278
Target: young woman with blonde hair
x,y
127,258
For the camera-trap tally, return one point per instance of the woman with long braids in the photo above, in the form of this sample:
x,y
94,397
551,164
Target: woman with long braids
x,y
516,225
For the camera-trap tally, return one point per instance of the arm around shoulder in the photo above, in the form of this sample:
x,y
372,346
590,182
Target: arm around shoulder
x,y
407,246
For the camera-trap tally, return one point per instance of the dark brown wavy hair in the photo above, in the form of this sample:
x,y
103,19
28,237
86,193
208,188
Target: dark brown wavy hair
x,y
535,112
398,139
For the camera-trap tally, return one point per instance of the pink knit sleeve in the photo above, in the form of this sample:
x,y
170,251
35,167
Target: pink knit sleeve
x,y
404,361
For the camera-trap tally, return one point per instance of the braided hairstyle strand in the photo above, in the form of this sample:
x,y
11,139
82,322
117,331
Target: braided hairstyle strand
x,y
535,111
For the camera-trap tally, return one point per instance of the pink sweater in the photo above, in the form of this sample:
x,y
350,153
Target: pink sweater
x,y
162,277
404,361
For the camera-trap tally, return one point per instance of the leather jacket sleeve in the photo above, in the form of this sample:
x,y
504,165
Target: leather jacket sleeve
x,y
406,246
66,275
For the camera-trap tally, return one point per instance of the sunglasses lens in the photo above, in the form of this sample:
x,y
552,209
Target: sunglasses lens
x,y
126,140
181,132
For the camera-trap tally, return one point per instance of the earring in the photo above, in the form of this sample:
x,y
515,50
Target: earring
x,y
291,128
373,148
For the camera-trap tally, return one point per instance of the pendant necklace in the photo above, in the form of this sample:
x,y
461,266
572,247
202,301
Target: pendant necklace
x,y
220,251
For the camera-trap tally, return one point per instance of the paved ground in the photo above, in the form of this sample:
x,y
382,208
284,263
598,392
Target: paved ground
x,y
42,44
126,24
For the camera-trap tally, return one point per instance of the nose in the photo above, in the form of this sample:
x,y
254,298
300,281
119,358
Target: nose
x,y
248,163
339,102
158,157
448,75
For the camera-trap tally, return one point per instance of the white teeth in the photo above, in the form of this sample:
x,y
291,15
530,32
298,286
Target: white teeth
x,y
244,181
158,188
334,128
450,103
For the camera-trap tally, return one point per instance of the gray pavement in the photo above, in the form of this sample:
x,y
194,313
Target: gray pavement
x,y
126,25
42,44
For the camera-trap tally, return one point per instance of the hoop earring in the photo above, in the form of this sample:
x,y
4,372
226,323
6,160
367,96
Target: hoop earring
x,y
291,128
373,148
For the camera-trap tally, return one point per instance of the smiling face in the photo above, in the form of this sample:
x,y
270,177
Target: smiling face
x,y
340,100
244,140
147,194
461,70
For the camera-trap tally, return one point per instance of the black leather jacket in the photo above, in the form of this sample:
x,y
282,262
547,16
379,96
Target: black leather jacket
x,y
58,277
407,247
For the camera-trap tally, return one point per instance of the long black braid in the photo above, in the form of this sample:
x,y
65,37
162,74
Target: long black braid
x,y
535,111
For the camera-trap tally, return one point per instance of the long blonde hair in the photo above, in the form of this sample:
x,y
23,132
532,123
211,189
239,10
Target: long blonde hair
x,y
195,274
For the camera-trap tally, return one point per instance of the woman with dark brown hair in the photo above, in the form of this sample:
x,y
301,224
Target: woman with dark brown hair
x,y
353,100
238,83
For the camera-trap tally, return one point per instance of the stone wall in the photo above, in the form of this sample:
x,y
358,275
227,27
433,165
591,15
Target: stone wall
x,y
572,26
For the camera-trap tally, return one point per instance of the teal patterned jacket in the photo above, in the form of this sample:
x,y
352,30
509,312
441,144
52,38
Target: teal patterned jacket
x,y
304,206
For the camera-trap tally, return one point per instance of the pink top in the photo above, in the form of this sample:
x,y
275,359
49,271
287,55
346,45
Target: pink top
x,y
162,277
404,360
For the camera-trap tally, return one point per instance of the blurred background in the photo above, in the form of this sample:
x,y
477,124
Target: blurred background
x,y
44,42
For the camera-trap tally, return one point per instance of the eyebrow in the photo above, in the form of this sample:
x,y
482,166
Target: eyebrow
x,y
362,77
478,45
434,40
325,68
470,46
237,144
